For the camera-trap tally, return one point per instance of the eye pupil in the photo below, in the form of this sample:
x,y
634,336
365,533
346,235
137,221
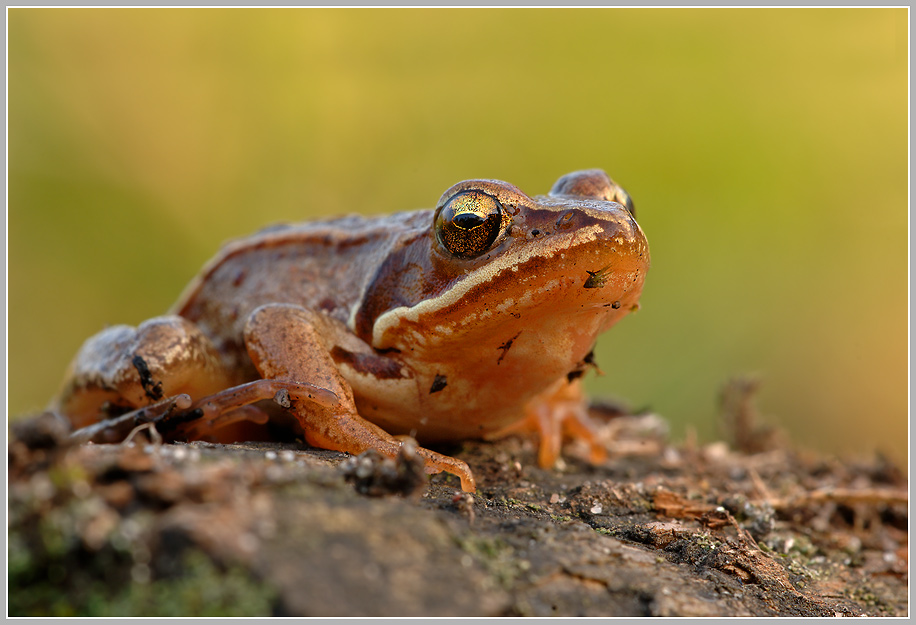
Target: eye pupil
x,y
469,223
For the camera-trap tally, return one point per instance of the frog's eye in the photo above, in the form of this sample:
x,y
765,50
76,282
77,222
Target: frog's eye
x,y
469,223
593,184
622,197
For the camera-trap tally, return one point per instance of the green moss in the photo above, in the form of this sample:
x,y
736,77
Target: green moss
x,y
497,557
203,589
65,475
868,598
484,547
706,541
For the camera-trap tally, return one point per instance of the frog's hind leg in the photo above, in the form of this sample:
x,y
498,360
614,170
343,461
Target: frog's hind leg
x,y
124,368
284,343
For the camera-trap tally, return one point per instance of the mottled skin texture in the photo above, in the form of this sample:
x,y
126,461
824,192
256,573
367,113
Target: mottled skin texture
x,y
436,329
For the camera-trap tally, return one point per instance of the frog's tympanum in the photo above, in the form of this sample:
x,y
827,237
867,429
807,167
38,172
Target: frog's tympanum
x,y
471,320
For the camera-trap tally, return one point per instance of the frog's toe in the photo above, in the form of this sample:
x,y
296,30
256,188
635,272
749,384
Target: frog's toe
x,y
579,426
567,421
436,463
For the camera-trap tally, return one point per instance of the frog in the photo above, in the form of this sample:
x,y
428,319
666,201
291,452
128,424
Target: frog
x,y
472,320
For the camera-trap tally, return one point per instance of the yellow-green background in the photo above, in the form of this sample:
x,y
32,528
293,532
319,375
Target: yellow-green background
x,y
766,151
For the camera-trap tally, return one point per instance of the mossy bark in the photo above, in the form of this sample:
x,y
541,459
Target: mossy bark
x,y
659,529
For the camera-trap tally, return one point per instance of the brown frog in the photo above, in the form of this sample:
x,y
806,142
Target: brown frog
x,y
470,320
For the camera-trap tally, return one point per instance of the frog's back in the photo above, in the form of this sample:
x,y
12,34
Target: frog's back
x,y
322,265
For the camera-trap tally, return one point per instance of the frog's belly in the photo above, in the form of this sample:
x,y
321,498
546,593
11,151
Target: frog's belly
x,y
433,426
448,409
472,387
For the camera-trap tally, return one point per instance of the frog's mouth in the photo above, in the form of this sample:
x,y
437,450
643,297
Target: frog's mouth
x,y
531,282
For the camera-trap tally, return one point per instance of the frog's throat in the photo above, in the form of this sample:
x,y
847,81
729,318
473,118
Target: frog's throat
x,y
486,273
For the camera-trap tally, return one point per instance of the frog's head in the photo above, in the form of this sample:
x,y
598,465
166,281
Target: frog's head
x,y
495,264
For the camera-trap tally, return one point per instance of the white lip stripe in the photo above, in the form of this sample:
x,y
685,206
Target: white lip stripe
x,y
481,275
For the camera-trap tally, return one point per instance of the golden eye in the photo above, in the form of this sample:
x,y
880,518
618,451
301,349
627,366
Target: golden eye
x,y
622,197
469,223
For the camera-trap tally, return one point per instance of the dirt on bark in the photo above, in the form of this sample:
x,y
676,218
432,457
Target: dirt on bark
x,y
746,528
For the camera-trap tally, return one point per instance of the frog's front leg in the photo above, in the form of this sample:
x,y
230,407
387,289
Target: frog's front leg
x,y
560,412
284,343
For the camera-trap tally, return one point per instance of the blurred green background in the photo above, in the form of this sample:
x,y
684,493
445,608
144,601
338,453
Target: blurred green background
x,y
766,150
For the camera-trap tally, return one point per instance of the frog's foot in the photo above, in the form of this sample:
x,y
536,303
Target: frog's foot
x,y
352,434
115,428
436,463
559,415
284,345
